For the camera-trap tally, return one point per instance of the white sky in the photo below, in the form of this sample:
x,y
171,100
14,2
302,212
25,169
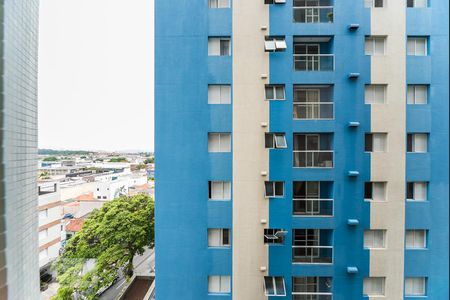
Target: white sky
x,y
96,74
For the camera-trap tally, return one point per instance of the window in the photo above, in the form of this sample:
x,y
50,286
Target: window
x,y
416,191
43,214
219,46
275,92
375,239
219,284
374,3
274,286
274,236
275,140
43,234
374,286
275,44
417,46
416,239
375,142
274,1
375,191
219,94
219,190
312,288
218,237
219,142
43,254
417,142
417,3
417,94
375,94
219,3
375,45
415,286
274,189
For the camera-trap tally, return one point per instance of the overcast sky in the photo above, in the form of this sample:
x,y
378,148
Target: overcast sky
x,y
96,74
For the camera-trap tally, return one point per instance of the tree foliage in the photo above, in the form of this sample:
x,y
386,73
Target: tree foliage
x,y
118,159
112,236
50,158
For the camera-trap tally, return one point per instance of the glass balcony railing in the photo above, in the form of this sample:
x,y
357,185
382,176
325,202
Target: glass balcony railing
x,y
313,14
312,296
314,62
313,110
312,254
313,158
313,207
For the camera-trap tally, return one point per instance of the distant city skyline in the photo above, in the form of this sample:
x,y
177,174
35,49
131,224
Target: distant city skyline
x,y
96,89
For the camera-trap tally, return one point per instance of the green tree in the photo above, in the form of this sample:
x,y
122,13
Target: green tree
x,y
118,159
112,236
50,158
149,160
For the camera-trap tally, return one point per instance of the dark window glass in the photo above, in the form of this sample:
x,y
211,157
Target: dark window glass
x,y
410,3
269,141
368,190
378,3
409,145
209,189
269,189
226,237
368,143
279,188
300,189
410,190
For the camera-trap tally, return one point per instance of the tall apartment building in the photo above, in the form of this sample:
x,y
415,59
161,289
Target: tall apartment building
x,y
301,149
19,266
50,212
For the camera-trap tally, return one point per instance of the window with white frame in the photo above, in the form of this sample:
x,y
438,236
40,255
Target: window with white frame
x,y
375,93
275,44
374,286
415,286
219,190
274,236
375,239
274,1
43,214
416,191
375,45
219,142
275,140
417,94
219,284
275,92
274,286
374,3
219,3
43,254
218,237
416,239
219,46
219,94
274,189
375,142
417,142
417,46
417,3
375,191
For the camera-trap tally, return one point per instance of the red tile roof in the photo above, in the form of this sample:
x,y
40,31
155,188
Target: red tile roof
x,y
75,225
85,197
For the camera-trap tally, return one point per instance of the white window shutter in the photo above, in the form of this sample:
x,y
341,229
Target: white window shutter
x,y
420,96
213,142
227,190
379,191
420,191
420,142
214,94
214,284
369,46
409,239
379,142
410,94
223,3
369,94
421,46
225,94
225,142
419,239
379,94
225,284
270,45
379,46
213,46
213,237
216,190
411,46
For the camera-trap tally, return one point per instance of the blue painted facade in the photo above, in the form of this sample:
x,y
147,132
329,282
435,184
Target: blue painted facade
x,y
183,71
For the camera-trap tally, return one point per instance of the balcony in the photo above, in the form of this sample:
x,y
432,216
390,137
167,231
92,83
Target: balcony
x,y
313,53
313,150
312,246
313,11
313,198
313,102
312,288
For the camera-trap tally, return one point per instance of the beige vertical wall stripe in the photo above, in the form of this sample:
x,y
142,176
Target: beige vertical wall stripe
x,y
390,69
249,155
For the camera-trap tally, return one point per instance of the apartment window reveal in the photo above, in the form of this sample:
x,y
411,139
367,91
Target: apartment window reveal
x,y
416,239
417,94
375,93
375,45
274,189
219,46
416,191
275,44
219,190
219,3
219,142
374,286
374,3
219,284
274,236
417,142
375,142
417,46
275,92
375,239
415,286
417,3
275,141
219,94
274,286
219,237
375,191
